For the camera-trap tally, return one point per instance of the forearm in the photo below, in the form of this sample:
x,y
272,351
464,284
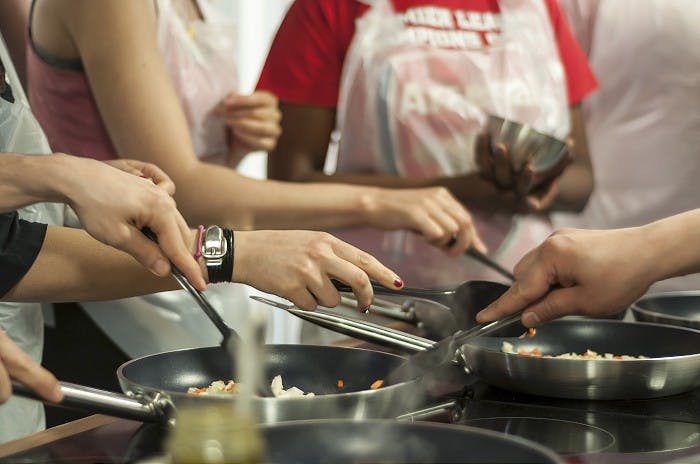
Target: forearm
x,y
72,266
673,245
24,180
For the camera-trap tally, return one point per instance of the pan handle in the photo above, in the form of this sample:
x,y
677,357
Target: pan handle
x,y
103,402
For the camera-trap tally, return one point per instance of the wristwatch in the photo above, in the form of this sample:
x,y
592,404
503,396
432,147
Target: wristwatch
x,y
217,251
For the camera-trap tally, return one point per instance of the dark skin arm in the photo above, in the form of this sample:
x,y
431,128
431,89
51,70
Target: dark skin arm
x,y
306,130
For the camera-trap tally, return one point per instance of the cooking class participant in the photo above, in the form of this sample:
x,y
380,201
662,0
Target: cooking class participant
x,y
49,263
172,99
408,114
643,123
570,273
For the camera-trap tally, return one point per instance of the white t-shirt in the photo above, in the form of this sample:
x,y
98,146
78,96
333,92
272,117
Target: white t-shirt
x,y
643,124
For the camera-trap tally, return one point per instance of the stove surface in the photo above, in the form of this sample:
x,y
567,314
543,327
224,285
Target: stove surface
x,y
639,431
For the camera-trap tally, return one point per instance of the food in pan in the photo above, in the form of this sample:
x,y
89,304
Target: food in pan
x,y
219,387
376,384
588,354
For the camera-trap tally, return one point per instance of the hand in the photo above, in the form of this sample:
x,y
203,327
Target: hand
x,y
16,364
585,272
114,206
536,190
432,212
254,120
298,266
145,170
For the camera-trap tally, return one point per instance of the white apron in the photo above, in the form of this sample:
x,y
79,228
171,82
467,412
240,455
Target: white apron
x,y
414,96
643,123
200,58
23,322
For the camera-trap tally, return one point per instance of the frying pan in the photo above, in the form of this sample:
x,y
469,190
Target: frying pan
x,y
673,367
381,441
156,383
680,308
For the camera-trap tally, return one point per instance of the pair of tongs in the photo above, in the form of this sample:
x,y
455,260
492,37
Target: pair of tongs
x,y
429,356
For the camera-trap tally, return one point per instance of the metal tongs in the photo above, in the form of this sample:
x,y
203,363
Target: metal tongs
x,y
429,356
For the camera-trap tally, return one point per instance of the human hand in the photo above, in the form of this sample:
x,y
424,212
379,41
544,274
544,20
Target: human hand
x,y
254,120
299,266
114,205
537,190
432,212
570,273
145,170
18,365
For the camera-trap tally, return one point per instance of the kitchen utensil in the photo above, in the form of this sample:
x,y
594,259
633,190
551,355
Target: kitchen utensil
x,y
681,308
155,384
672,367
465,299
396,442
490,263
230,337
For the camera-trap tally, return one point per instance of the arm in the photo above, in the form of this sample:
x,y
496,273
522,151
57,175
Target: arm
x,y
297,265
143,115
91,187
570,272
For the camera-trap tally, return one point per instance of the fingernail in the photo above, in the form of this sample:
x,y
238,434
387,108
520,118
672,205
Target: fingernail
x,y
398,283
366,309
161,268
531,320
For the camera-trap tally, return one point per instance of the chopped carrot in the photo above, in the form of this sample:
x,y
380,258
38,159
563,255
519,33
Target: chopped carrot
x,y
376,384
340,383
531,332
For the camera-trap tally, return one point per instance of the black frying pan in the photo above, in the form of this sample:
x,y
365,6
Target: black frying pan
x,y
156,383
375,441
311,368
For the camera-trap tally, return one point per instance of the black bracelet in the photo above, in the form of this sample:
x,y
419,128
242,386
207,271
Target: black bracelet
x,y
227,266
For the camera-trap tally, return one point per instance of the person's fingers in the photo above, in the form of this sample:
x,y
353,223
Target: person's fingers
x,y
324,291
256,128
255,143
132,241
557,303
270,114
372,268
354,276
125,165
501,167
5,384
256,99
483,155
178,249
519,296
449,228
159,177
524,180
20,366
302,299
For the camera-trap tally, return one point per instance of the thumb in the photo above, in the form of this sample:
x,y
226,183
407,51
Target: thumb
x,y
146,252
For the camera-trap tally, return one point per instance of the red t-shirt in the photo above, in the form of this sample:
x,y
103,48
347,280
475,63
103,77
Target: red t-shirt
x,y
305,62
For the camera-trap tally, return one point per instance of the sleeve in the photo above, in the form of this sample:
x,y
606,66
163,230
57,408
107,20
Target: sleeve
x,y
20,243
305,61
581,18
579,76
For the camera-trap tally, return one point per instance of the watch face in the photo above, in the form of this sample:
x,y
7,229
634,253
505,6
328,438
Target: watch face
x,y
214,243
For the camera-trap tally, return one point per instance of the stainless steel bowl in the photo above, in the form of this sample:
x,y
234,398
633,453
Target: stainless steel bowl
x,y
681,308
525,144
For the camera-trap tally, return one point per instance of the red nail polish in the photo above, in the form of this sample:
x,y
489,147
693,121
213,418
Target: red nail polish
x,y
398,283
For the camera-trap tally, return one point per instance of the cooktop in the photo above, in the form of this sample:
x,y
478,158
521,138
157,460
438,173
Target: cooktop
x,y
638,431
